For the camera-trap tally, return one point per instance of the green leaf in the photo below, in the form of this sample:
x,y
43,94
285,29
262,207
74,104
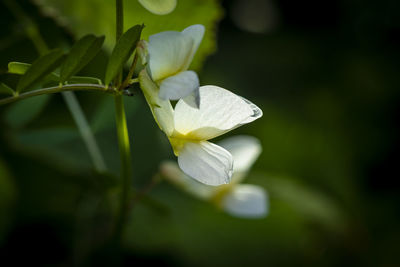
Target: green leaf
x,y
80,55
79,17
40,69
6,90
20,69
21,113
122,51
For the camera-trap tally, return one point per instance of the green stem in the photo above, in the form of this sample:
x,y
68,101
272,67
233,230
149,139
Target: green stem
x,y
85,131
58,89
128,78
119,32
123,138
126,170
119,18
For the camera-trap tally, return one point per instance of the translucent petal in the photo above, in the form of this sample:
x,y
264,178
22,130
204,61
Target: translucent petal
x,y
246,201
161,109
159,7
168,54
245,151
179,85
206,162
219,112
196,32
256,110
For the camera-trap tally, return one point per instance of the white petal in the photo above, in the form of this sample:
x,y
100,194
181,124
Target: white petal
x,y
161,109
179,86
257,112
245,151
206,162
168,53
196,32
170,170
159,7
220,111
246,201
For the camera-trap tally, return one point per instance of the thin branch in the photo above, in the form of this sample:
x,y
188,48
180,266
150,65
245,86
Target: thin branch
x,y
85,131
123,139
59,89
128,78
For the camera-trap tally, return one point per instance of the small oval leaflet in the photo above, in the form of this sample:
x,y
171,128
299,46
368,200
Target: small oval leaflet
x,y
122,51
40,68
83,51
20,68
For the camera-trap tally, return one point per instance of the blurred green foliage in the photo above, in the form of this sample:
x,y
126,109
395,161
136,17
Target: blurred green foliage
x,y
98,16
326,78
25,111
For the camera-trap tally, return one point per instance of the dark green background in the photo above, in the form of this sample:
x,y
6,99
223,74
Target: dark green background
x,y
326,76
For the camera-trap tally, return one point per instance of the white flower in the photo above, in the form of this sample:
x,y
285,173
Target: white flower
x,y
188,128
239,200
159,7
169,56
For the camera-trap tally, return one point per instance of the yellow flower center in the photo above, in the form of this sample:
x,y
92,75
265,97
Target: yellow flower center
x,y
179,140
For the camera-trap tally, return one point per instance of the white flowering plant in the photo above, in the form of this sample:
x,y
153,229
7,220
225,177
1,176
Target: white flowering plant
x,y
188,113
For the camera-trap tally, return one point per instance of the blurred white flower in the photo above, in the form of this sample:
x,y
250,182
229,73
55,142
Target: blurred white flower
x,y
246,200
188,128
159,7
239,200
168,57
